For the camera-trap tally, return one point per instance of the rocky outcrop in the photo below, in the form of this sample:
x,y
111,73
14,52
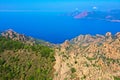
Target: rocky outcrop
x,y
11,34
118,35
81,15
89,57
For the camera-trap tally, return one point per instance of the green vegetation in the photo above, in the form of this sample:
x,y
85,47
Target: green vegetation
x,y
7,44
83,78
73,76
73,70
90,59
19,61
116,78
65,79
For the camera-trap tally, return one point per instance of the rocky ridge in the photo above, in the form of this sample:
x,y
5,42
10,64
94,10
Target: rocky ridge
x,y
11,34
89,57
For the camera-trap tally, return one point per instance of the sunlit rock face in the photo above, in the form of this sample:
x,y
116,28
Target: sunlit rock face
x,y
89,57
118,35
13,35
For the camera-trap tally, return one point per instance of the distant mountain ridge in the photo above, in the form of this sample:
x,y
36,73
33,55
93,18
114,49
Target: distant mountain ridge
x,y
112,15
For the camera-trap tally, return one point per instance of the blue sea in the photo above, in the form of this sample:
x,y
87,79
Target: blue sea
x,y
53,26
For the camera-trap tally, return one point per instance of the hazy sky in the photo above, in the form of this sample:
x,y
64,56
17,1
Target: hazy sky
x,y
56,5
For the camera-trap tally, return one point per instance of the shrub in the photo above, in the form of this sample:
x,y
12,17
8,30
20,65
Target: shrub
x,y
73,70
116,78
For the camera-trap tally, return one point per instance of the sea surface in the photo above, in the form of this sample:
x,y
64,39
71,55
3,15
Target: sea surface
x,y
53,27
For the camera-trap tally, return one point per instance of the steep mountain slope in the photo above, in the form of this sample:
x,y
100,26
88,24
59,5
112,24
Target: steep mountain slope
x,y
20,61
89,57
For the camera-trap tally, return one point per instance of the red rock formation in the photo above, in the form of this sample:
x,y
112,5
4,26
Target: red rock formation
x,y
81,15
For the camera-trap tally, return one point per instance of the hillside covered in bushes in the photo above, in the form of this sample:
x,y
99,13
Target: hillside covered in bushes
x,y
19,61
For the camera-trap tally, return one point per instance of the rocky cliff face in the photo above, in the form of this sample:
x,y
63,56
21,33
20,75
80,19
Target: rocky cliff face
x,y
11,34
88,57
